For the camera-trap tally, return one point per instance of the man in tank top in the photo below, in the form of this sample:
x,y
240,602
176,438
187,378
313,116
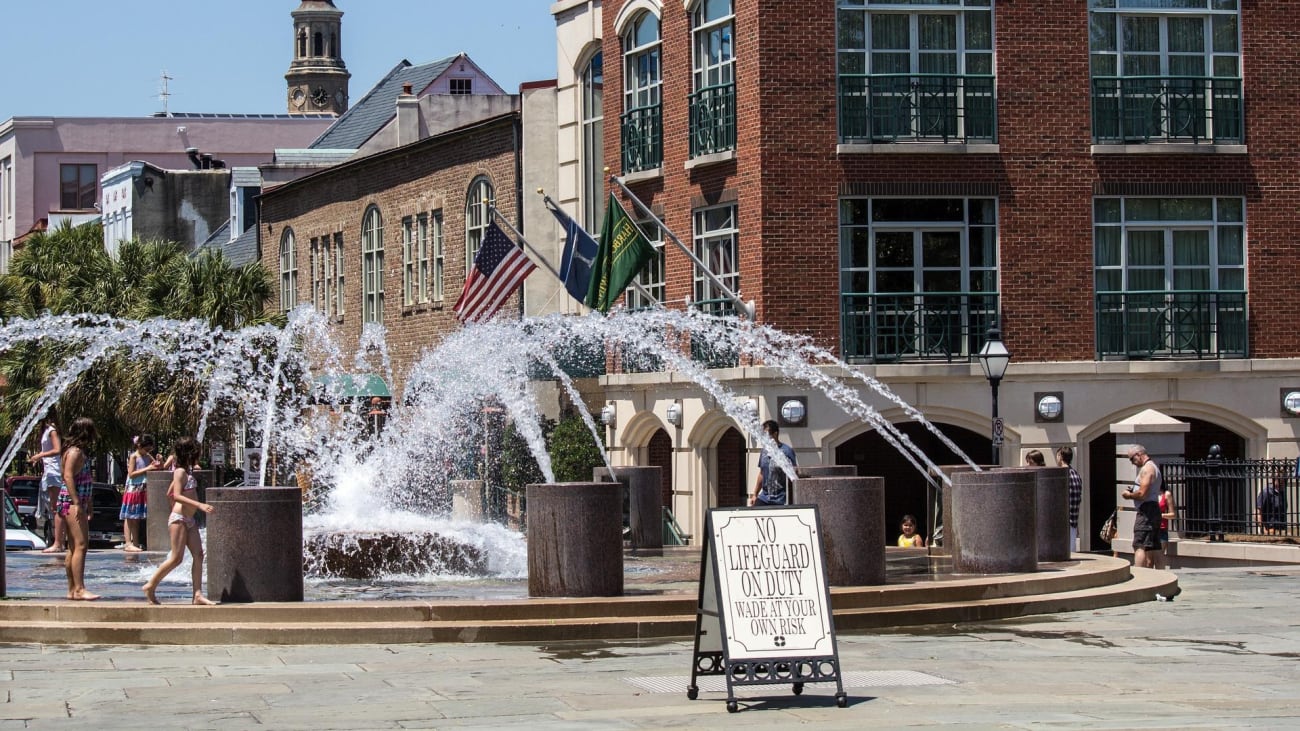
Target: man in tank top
x,y
1145,495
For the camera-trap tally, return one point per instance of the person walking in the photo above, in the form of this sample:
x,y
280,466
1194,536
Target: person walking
x,y
772,487
1145,495
75,504
1034,458
1270,508
135,501
181,526
51,480
1065,458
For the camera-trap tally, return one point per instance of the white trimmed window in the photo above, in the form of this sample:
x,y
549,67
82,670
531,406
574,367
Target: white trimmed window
x,y
439,259
372,266
713,30
337,270
410,283
651,277
477,217
317,274
642,92
717,244
288,271
593,145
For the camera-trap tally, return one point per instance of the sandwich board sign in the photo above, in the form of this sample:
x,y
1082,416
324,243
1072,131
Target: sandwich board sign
x,y
764,610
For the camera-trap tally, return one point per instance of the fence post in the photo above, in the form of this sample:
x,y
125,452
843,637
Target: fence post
x,y
1214,483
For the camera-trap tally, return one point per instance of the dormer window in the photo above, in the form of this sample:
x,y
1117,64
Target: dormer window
x,y
462,86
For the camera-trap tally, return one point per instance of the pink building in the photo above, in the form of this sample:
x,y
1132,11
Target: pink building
x,y
50,167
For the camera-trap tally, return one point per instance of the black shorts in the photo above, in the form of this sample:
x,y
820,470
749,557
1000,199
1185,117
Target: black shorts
x,y
1146,526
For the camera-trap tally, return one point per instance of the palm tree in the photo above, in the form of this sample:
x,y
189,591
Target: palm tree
x,y
68,271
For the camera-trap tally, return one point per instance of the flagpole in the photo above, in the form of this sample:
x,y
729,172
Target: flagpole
x,y
746,309
537,254
546,199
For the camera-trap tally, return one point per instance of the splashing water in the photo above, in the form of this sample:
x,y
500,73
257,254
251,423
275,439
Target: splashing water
x,y
288,385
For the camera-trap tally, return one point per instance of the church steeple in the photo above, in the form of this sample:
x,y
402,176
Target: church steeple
x,y
317,77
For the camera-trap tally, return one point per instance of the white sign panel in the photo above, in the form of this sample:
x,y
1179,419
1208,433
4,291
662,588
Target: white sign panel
x,y
772,587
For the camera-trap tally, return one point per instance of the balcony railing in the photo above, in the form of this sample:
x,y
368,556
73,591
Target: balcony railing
x,y
642,139
948,326
713,119
947,108
1172,325
714,354
1142,109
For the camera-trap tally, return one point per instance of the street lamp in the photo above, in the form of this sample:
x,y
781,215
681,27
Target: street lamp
x,y
994,358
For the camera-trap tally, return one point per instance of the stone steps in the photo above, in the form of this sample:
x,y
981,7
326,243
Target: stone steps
x,y
1087,583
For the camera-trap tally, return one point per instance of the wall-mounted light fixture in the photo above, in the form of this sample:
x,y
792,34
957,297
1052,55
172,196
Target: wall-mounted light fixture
x,y
608,416
675,414
1049,406
793,411
1291,402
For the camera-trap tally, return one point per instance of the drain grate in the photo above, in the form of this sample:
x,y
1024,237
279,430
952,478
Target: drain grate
x,y
854,679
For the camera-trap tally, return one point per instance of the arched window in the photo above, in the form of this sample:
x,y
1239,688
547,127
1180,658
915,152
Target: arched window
x,y
477,218
593,148
302,43
642,81
372,266
288,272
318,44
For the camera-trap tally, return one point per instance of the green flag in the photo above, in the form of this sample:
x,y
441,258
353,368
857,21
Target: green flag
x,y
623,251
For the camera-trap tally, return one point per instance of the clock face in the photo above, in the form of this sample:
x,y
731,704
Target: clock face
x,y
320,97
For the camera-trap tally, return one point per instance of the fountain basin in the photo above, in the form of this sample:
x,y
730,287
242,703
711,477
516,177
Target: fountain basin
x,y
372,554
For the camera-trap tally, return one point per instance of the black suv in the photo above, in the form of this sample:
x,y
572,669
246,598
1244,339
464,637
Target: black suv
x,y
105,525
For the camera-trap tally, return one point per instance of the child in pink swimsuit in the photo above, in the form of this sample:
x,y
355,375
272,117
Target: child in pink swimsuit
x,y
184,495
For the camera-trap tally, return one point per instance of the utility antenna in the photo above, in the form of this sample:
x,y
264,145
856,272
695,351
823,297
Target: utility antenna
x,y
164,93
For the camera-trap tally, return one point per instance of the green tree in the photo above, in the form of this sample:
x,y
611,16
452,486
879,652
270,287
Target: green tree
x,y
68,271
573,452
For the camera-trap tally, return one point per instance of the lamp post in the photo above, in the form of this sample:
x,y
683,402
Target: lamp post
x,y
994,358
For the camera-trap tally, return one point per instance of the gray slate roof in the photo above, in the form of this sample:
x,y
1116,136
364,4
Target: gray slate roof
x,y
239,252
378,106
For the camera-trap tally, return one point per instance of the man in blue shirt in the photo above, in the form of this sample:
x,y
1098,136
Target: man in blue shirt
x,y
771,488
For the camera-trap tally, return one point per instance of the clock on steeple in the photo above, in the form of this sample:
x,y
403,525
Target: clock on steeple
x,y
317,77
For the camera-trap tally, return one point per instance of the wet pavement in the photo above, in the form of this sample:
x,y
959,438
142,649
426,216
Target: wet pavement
x,y
1224,654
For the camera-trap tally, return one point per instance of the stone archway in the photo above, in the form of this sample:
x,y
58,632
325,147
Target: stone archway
x,y
906,490
659,453
731,455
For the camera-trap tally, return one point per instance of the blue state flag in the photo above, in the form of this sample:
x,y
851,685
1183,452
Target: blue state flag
x,y
579,254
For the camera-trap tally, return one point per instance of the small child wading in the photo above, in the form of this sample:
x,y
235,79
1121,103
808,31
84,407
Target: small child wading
x,y
183,494
910,538
135,501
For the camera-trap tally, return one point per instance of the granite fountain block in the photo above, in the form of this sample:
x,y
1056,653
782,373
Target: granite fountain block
x,y
158,507
1053,488
645,505
575,539
994,512
255,544
852,513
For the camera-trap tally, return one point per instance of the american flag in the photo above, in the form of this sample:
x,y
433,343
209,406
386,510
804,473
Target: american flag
x,y
499,268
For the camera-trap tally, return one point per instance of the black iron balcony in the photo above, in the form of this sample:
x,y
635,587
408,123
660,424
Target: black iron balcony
x,y
916,326
713,119
642,139
1188,109
1171,325
945,108
714,354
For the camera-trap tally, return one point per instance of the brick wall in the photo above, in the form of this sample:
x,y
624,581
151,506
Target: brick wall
x,y
431,175
787,175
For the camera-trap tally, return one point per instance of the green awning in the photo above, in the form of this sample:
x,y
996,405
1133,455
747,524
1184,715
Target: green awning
x,y
352,386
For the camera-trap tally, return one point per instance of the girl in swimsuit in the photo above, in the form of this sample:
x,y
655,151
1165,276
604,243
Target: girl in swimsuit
x,y
74,503
184,496
135,502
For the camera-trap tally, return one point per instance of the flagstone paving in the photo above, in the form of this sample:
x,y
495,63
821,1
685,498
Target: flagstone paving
x,y
1224,654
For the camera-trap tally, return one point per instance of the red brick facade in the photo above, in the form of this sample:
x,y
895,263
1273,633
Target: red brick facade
x,y
788,177
432,175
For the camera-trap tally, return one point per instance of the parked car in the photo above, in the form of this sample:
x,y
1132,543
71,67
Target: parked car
x,y
25,490
105,525
17,537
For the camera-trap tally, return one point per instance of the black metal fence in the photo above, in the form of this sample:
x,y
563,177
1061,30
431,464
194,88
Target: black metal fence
x,y
1218,498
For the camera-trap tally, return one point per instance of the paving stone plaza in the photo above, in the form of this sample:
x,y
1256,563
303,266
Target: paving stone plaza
x,y
1222,655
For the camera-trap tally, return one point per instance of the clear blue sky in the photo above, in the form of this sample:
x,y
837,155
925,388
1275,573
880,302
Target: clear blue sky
x,y
90,58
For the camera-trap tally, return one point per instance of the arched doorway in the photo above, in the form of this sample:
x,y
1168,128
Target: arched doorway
x,y
731,469
1103,479
659,453
905,488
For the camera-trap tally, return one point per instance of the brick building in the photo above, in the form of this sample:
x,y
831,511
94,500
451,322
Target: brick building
x,y
386,238
1111,182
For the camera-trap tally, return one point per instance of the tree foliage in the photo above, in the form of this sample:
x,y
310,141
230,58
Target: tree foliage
x,y
68,271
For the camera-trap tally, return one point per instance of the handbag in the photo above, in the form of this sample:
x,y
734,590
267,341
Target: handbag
x,y
1109,529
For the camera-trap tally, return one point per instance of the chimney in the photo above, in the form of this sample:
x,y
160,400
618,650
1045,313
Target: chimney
x,y
408,116
193,153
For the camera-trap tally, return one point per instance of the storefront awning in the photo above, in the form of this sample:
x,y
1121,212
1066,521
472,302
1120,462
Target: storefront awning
x,y
366,385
